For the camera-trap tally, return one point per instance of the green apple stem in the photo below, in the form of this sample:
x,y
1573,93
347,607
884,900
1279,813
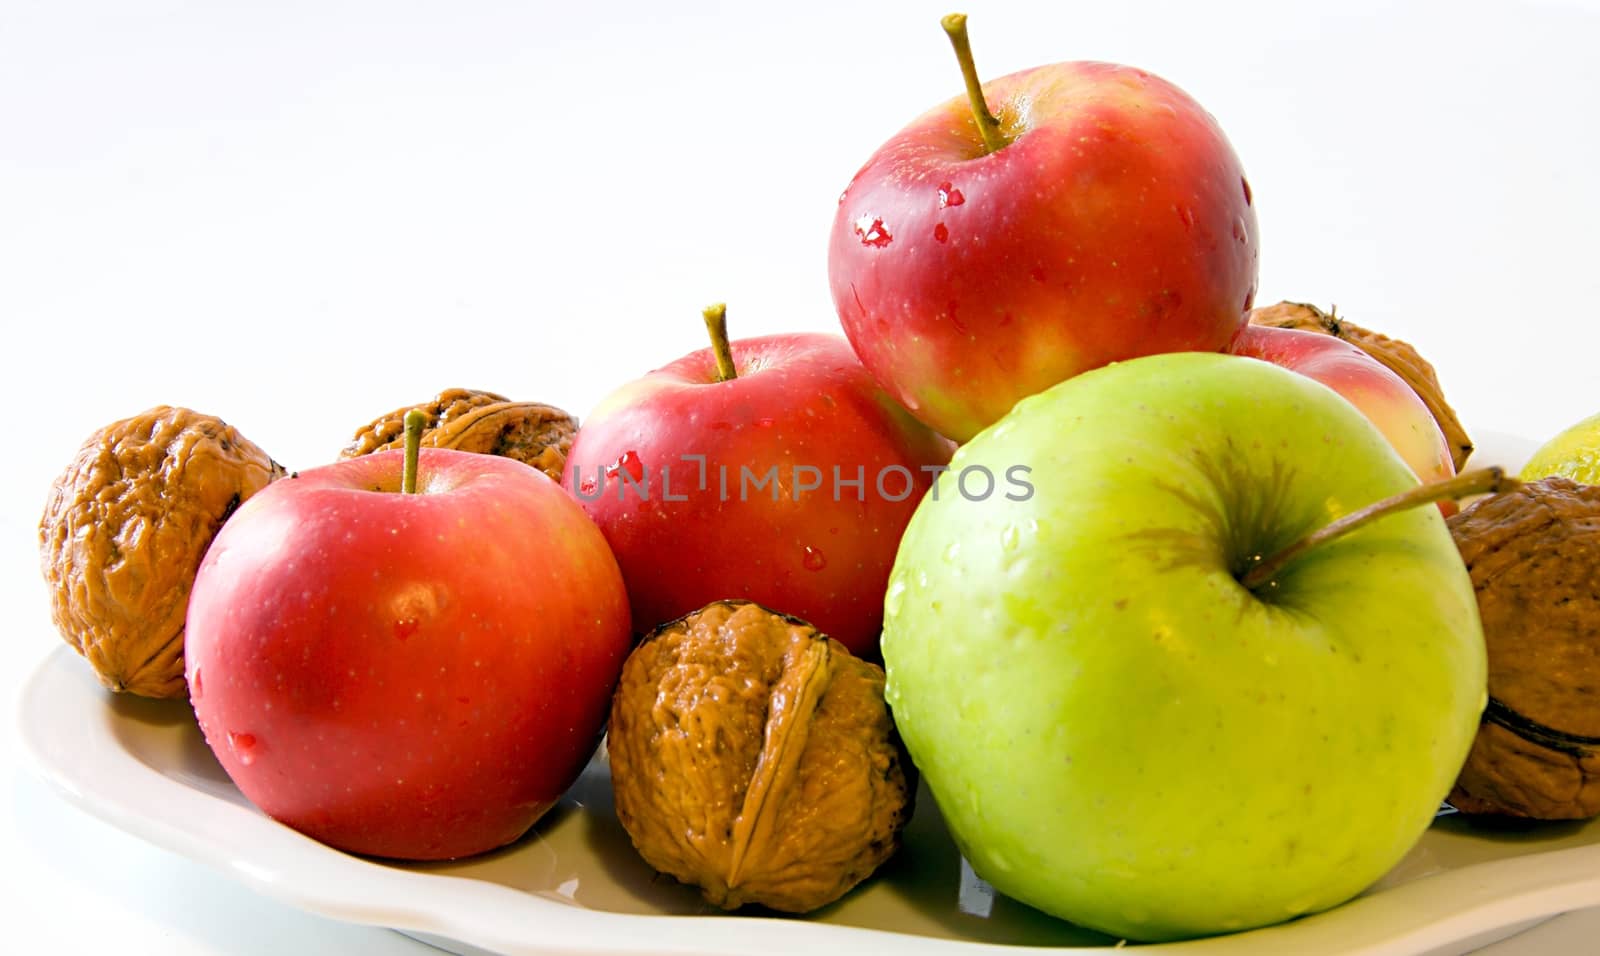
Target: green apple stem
x,y
955,26
716,317
416,420
1478,482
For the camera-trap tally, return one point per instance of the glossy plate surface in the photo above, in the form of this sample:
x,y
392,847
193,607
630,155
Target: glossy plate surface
x,y
576,885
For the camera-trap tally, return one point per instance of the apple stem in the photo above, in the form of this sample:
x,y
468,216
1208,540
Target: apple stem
x,y
955,26
1478,482
416,420
716,317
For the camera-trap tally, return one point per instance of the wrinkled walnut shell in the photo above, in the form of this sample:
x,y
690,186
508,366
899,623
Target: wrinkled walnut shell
x,y
124,530
470,420
1399,356
755,758
1534,556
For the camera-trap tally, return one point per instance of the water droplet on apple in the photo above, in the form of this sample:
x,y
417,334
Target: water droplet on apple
x,y
872,231
813,559
586,487
952,551
1246,184
950,196
764,423
629,462
405,627
941,233
896,594
1009,538
1239,232
243,747
1185,216
196,687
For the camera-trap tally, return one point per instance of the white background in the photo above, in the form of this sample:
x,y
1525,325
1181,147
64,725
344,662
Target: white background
x,y
297,215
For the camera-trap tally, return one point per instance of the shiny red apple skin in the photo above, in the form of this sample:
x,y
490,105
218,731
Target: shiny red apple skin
x,y
411,676
1366,383
798,400
1116,223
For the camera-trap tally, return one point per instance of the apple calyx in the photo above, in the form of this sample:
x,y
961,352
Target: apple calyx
x,y
716,317
415,421
1477,482
955,26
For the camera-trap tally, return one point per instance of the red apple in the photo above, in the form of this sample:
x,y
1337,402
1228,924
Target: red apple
x,y
416,676
671,468
1366,383
1109,219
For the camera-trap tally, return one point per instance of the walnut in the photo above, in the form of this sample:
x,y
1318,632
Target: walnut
x,y
123,533
1534,557
1399,356
754,757
470,420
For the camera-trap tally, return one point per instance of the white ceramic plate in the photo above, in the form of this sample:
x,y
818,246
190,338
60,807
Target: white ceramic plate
x,y
576,885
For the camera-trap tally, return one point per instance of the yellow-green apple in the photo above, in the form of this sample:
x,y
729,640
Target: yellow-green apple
x,y
1129,719
786,481
1366,383
1107,217
418,675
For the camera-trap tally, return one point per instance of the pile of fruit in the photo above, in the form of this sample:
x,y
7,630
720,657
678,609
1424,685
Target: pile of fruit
x,y
1186,637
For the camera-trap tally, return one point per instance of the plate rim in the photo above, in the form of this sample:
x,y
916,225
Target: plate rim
x,y
480,913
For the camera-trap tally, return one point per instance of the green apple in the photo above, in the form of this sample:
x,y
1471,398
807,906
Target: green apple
x,y
1575,454
1118,731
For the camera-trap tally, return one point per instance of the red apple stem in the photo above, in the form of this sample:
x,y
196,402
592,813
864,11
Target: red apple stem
x,y
955,26
716,317
416,420
1478,482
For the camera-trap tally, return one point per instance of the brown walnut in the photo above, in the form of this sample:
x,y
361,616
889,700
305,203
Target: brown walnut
x,y
1534,557
470,420
124,530
1399,356
755,758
